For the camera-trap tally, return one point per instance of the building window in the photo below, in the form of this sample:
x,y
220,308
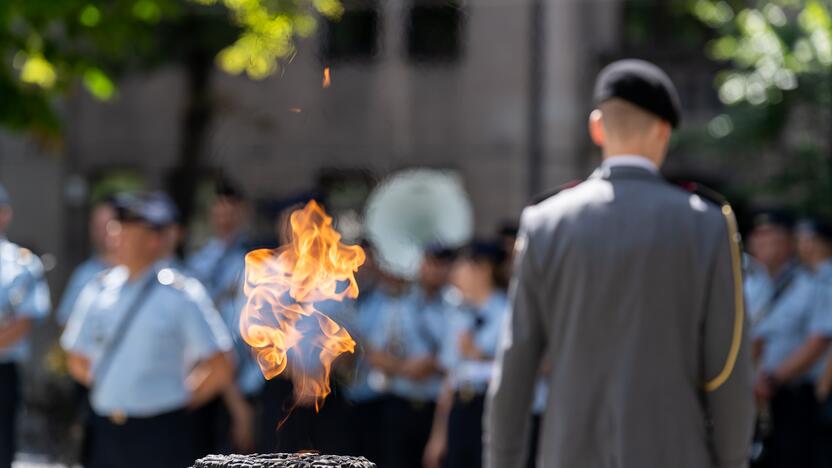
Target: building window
x,y
354,36
434,32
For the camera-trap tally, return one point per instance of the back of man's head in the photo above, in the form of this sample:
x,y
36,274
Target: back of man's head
x,y
626,123
637,109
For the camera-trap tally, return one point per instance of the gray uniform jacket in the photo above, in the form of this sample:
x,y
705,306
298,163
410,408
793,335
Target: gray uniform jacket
x,y
631,290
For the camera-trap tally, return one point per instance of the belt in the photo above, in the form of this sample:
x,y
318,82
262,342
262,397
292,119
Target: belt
x,y
121,418
415,404
419,405
468,393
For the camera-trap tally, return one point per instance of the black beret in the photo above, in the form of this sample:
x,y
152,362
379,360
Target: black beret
x,y
152,209
224,188
483,250
438,251
642,84
781,218
816,226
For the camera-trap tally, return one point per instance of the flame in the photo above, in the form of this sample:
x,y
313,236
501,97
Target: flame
x,y
282,286
327,78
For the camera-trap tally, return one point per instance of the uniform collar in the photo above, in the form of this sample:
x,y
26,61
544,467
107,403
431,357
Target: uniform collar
x,y
825,268
490,304
235,240
420,294
630,160
151,271
787,270
625,171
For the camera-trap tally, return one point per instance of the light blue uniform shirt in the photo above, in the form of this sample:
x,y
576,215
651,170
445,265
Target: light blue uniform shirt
x,y
541,395
220,266
23,293
366,315
176,326
824,277
758,288
485,322
82,275
800,312
412,326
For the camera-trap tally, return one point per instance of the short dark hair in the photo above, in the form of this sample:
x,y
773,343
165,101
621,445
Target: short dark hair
x,y
480,250
624,120
226,189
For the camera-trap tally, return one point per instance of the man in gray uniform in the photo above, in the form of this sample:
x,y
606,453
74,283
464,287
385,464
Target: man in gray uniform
x,y
631,289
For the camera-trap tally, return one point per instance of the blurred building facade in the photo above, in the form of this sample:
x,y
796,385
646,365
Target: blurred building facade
x,y
498,90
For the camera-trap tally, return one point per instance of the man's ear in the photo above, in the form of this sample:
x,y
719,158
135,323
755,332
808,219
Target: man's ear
x,y
662,130
596,127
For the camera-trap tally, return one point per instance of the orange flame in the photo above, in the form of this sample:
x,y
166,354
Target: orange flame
x,y
327,78
281,287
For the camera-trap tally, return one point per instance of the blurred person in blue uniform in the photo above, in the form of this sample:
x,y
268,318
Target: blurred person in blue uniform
x,y
102,215
467,356
404,352
791,335
814,244
220,265
24,299
364,405
149,344
172,235
507,234
757,286
773,264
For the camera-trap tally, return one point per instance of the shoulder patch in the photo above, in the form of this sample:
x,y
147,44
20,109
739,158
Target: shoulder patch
x,y
112,277
551,193
171,277
703,192
99,277
7,251
24,256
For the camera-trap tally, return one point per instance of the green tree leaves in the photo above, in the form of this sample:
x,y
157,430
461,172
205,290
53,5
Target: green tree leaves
x,y
46,46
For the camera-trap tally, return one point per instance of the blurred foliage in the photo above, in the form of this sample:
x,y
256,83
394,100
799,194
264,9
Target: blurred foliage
x,y
657,25
777,86
114,181
47,46
771,47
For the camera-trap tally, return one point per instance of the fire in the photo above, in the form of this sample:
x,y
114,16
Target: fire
x,y
327,78
282,286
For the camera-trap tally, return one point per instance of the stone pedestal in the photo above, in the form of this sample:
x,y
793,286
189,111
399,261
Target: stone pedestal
x,y
283,460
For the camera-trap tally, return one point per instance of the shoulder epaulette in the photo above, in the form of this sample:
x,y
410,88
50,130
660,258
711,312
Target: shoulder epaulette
x,y
171,277
24,255
551,193
703,191
101,275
